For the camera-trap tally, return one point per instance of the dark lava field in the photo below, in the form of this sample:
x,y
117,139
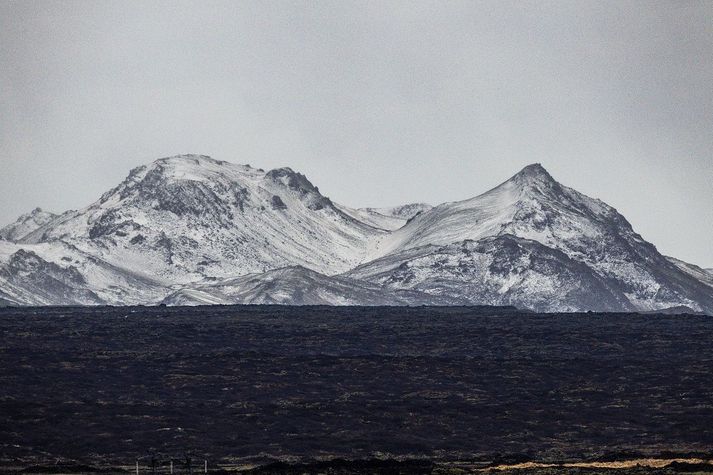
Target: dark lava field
x,y
261,383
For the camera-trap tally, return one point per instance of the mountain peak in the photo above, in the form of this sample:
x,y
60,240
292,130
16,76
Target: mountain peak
x,y
534,172
191,167
189,160
535,179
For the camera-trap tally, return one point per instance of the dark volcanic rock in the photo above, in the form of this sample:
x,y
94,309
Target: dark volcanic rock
x,y
262,382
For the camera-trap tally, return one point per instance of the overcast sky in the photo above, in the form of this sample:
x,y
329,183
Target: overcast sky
x,y
378,103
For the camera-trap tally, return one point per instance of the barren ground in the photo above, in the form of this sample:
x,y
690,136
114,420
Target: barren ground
x,y
246,386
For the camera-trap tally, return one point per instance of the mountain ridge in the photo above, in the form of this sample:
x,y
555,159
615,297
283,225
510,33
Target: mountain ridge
x,y
193,225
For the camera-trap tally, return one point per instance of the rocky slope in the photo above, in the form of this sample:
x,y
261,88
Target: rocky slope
x,y
190,229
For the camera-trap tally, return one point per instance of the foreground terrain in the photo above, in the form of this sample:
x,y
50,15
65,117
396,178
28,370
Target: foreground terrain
x,y
248,386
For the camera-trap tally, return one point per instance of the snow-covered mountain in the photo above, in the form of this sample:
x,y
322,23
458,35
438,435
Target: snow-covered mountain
x,y
188,218
190,229
25,224
533,206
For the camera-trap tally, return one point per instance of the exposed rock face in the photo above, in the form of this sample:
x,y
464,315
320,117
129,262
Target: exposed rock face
x,y
191,229
277,203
